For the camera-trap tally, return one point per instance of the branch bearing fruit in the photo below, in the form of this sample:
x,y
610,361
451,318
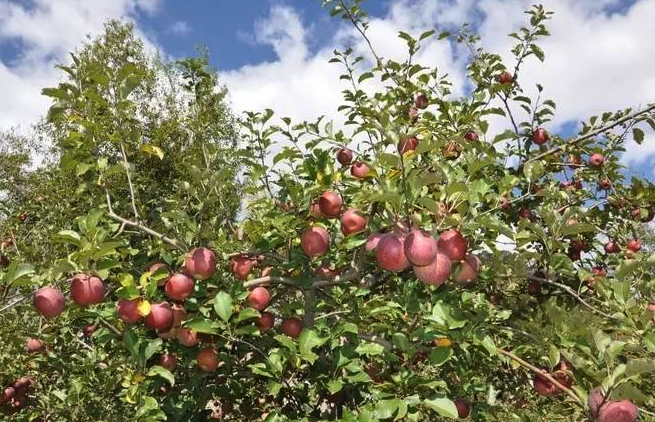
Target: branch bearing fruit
x,y
315,241
259,298
241,266
390,253
420,247
436,273
330,204
292,327
128,310
452,244
160,317
359,170
179,287
208,359
353,222
344,156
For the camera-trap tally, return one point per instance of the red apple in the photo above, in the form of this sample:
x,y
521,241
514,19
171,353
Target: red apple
x,y
49,301
128,310
413,113
265,321
633,245
292,327
421,100
160,317
463,408
330,204
33,345
7,394
420,247
471,136
359,170
159,268
452,244
390,253
372,241
595,400
436,273
241,266
604,184
596,160
612,247
179,287
534,287
208,359
168,361
201,263
325,272
407,145
505,78
315,241
187,337
618,411
526,213
468,270
344,156
578,245
353,222
315,210
259,298
540,136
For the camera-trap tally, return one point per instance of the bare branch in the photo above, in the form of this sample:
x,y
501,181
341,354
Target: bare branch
x,y
544,374
129,181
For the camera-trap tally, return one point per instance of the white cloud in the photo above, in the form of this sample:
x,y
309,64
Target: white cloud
x,y
180,28
46,31
595,61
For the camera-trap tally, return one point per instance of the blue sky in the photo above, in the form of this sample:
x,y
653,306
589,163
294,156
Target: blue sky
x,y
274,53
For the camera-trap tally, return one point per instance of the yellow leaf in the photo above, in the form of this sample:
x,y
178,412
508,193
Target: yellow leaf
x,y
144,308
443,342
152,150
319,177
137,378
127,280
144,279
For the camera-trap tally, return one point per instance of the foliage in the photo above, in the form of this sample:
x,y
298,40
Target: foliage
x,y
376,345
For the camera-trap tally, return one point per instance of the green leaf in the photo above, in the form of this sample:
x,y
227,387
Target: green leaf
x,y
638,135
443,406
68,236
151,348
247,313
385,409
307,342
162,372
223,305
17,272
440,355
534,170
201,325
369,348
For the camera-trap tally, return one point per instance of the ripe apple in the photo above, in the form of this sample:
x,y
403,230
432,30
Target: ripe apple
x,y
612,247
344,156
49,301
359,170
390,253
544,387
463,408
633,245
526,213
33,345
596,160
504,203
168,361
574,255
372,241
208,359
604,184
265,321
88,330
413,113
534,287
201,263
159,268
505,78
353,222
468,270
436,273
241,266
420,247
187,337
578,245
160,317
540,136
452,244
4,261
407,145
179,287
315,241
292,327
7,394
315,210
595,399
421,100
259,298
472,136
330,204
128,310
618,411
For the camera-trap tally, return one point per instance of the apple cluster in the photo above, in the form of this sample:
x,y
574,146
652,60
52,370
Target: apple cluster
x,y
14,396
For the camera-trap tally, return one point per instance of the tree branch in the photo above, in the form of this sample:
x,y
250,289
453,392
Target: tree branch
x,y
592,133
129,182
544,374
125,222
573,293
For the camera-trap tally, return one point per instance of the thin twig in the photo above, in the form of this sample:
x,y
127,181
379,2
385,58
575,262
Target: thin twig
x,y
592,133
542,373
129,182
573,293
11,305
110,327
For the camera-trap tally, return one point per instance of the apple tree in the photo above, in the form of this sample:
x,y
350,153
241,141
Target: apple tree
x,y
410,264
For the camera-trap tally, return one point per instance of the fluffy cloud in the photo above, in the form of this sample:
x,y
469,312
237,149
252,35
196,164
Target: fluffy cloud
x,y
180,28
45,31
